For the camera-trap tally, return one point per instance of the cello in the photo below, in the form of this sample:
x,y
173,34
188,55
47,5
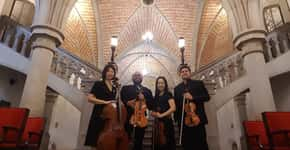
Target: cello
x,y
138,118
114,136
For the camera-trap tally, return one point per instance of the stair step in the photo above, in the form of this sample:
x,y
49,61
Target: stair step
x,y
149,135
147,141
149,147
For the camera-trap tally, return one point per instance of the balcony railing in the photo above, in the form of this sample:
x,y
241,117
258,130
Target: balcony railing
x,y
68,67
277,42
222,72
230,68
82,75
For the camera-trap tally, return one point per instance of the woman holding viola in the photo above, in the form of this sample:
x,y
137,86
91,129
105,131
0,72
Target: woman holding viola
x,y
164,107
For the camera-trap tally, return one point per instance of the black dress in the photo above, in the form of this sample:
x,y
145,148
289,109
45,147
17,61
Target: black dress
x,y
193,137
96,124
161,103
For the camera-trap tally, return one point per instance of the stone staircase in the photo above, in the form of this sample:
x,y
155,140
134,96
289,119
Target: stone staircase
x,y
147,141
68,73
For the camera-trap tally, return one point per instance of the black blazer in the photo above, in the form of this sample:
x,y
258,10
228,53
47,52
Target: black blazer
x,y
200,95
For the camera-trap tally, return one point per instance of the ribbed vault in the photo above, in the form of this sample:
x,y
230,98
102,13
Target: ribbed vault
x,y
93,22
150,57
148,19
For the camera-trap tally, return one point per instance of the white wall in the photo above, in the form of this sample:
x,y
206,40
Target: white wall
x,y
11,92
64,125
32,1
1,5
229,126
281,91
212,127
85,118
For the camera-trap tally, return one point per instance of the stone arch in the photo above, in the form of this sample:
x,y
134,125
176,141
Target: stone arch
x,y
158,25
214,45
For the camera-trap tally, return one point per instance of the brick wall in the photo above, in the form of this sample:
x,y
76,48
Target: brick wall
x,y
80,32
129,19
219,42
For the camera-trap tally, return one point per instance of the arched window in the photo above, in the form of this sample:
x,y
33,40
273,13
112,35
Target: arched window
x,y
273,17
22,12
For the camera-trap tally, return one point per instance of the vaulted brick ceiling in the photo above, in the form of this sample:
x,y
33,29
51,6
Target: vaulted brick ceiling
x,y
149,57
93,22
214,36
80,32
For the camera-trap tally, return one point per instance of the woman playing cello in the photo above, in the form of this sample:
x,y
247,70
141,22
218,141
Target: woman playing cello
x,y
163,132
103,95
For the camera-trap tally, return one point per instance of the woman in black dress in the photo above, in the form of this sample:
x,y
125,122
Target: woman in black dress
x,y
101,94
164,107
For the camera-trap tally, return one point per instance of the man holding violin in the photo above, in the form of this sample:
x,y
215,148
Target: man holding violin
x,y
129,95
189,97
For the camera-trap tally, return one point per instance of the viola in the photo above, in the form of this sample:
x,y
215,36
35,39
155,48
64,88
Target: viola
x,y
113,135
138,118
159,137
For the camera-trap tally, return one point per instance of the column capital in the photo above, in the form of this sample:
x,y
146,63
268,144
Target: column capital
x,y
250,41
249,36
47,31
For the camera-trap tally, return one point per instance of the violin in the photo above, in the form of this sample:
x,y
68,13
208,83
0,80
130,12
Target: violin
x,y
113,135
138,118
159,137
191,118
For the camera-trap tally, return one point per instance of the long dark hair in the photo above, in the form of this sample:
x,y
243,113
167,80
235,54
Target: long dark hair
x,y
106,69
157,92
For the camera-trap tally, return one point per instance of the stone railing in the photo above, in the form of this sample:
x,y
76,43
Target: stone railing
x,y
15,36
75,71
277,42
230,68
68,67
222,72
80,74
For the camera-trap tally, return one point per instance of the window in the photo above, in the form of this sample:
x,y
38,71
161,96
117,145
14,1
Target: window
x,y
22,12
273,17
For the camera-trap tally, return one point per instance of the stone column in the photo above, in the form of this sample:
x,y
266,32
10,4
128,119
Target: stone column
x,y
46,40
261,97
50,16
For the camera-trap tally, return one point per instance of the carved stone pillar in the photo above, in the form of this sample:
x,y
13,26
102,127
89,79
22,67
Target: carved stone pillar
x,y
250,43
49,19
46,40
